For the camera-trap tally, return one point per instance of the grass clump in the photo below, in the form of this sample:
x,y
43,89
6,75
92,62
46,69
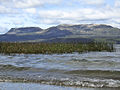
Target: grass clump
x,y
50,48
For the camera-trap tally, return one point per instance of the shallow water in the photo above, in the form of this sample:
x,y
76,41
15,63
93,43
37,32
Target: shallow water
x,y
93,70
34,86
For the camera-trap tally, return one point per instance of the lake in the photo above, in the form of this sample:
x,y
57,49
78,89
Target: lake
x,y
86,71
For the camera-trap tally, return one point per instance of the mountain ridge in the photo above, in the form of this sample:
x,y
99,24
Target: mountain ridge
x,y
81,32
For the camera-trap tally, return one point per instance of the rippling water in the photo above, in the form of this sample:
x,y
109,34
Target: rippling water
x,y
93,69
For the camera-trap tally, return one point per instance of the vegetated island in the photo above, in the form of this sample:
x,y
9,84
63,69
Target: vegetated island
x,y
52,48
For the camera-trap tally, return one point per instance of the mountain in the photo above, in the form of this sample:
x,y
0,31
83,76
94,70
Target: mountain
x,y
63,33
27,30
32,34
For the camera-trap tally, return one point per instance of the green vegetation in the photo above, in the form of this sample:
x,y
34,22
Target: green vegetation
x,y
50,48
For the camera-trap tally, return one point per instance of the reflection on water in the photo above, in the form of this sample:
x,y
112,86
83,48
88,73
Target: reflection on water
x,y
93,69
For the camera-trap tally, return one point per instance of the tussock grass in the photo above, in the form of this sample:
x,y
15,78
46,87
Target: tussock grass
x,y
50,48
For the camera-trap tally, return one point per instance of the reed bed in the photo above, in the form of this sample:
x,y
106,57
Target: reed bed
x,y
51,48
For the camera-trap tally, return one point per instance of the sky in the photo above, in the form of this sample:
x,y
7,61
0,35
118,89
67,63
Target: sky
x,y
47,13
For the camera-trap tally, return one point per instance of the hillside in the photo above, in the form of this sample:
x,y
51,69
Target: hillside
x,y
63,33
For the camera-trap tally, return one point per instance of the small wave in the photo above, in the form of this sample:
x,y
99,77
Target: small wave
x,y
80,60
100,63
84,82
11,67
76,78
96,73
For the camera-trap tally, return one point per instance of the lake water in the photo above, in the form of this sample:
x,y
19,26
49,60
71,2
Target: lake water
x,y
86,71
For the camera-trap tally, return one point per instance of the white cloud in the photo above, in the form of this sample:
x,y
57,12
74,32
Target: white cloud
x,y
27,3
73,14
3,30
4,9
117,3
95,2
80,15
91,2
30,10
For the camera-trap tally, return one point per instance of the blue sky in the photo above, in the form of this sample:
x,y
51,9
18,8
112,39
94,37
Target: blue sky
x,y
46,13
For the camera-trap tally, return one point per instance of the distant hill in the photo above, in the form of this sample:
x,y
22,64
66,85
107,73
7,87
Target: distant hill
x,y
63,33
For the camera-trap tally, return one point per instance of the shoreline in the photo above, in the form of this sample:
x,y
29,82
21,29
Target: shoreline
x,y
38,86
